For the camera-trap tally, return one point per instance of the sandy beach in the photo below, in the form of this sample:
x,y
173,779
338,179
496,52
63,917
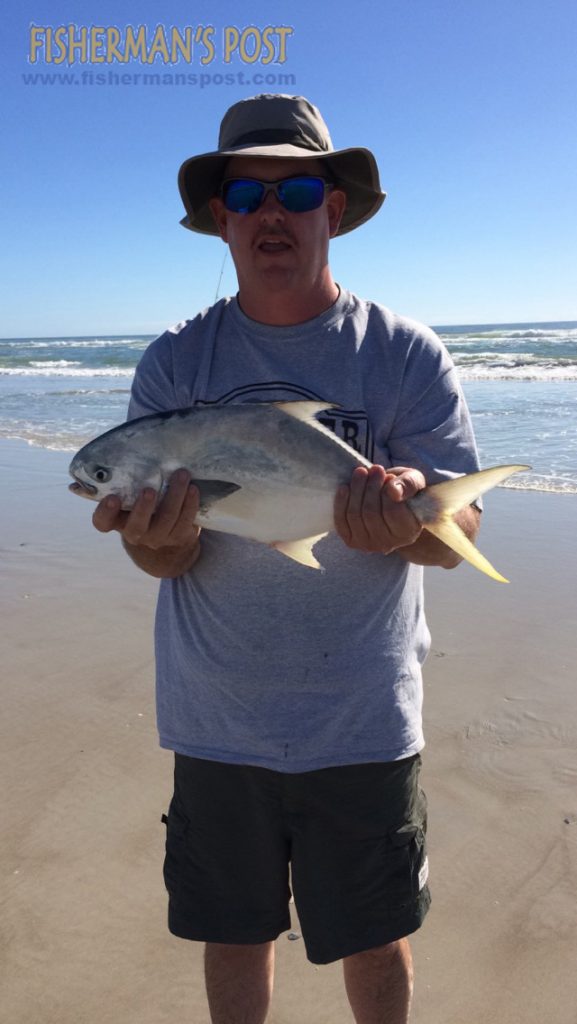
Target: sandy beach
x,y
83,932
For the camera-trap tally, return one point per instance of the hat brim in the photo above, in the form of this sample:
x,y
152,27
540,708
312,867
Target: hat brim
x,y
354,170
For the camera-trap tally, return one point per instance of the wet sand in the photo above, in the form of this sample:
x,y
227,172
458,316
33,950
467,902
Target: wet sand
x,y
82,932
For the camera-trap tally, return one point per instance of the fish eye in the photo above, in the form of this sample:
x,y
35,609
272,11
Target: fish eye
x,y
101,474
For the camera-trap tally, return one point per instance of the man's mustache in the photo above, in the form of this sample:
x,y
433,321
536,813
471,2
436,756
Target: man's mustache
x,y
273,235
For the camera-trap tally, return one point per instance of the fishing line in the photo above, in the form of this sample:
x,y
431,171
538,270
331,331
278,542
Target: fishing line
x,y
221,273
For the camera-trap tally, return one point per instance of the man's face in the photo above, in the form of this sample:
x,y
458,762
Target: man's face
x,y
273,248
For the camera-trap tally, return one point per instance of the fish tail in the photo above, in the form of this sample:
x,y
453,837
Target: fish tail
x,y
447,530
452,495
436,505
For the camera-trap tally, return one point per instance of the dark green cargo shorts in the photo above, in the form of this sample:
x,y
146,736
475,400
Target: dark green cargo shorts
x,y
353,836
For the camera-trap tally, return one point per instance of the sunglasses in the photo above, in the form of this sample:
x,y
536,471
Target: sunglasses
x,y
297,195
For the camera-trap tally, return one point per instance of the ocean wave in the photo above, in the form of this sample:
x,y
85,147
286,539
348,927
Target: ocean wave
x,y
66,437
53,442
549,485
535,333
561,348
24,343
519,370
552,345
465,358
51,364
478,366
75,392
518,358
535,375
67,370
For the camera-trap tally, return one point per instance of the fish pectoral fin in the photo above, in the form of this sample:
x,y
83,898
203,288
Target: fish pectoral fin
x,y
212,491
300,550
447,530
453,495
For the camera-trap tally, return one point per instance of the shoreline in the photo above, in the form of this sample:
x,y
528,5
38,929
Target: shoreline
x,y
84,938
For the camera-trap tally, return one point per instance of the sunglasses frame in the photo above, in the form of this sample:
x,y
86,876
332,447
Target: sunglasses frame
x,y
273,186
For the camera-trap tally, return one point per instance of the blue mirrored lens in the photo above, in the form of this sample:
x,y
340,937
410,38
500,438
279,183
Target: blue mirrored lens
x,y
242,195
301,194
297,195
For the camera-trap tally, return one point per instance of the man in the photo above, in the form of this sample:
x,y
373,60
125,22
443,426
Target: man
x,y
292,698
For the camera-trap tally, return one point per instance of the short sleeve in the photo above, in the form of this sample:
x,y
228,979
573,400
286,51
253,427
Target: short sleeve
x,y
432,429
153,385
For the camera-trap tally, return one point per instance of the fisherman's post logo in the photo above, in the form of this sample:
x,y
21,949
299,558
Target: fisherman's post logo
x,y
201,44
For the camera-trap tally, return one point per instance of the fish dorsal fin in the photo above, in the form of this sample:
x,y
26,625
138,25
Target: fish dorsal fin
x,y
306,411
300,550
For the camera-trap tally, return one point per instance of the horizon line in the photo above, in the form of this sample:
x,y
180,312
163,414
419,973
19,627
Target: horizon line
x,y
153,334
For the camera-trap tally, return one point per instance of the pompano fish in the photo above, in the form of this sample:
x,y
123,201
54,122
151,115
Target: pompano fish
x,y
266,471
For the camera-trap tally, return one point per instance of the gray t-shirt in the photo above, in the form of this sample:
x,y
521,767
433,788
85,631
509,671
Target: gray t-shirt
x,y
261,660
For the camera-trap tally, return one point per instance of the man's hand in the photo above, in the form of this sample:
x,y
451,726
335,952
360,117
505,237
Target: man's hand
x,y
371,514
163,540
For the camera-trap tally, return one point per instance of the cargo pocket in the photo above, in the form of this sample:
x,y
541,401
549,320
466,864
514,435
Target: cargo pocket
x,y
175,848
408,863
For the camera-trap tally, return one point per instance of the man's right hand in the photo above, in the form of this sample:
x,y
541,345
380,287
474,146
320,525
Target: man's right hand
x,y
162,540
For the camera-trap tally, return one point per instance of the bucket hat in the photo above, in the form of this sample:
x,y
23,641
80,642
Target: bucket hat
x,y
278,126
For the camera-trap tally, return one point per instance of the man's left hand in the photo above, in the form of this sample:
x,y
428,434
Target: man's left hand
x,y
371,513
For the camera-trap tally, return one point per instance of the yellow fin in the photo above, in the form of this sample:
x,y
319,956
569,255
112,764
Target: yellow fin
x,y
305,410
435,506
300,550
453,495
446,529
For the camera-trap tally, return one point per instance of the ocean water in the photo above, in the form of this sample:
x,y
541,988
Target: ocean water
x,y
520,381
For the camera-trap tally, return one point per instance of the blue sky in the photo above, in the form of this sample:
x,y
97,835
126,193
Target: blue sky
x,y
468,106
